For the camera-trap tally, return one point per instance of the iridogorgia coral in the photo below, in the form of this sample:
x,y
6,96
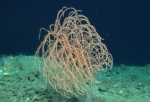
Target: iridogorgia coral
x,y
72,53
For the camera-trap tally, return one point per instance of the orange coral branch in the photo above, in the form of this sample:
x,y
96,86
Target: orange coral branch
x,y
72,53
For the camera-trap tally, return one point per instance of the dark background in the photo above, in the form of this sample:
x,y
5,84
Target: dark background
x,y
124,24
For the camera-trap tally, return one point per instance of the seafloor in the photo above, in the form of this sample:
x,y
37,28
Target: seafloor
x,y
21,81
